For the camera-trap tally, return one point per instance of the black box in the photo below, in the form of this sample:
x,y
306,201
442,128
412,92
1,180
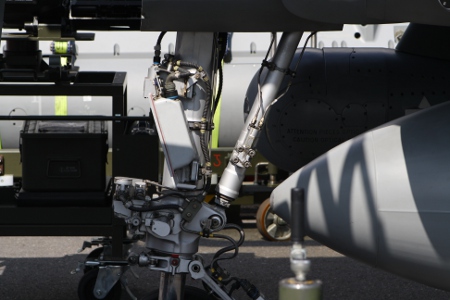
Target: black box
x,y
64,156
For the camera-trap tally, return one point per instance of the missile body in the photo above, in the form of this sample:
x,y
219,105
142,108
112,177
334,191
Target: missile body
x,y
383,197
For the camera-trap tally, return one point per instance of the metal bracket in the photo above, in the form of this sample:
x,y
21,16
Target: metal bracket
x,y
197,271
107,277
203,125
273,67
191,210
168,264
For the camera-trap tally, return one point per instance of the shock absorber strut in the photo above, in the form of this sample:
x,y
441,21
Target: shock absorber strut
x,y
228,188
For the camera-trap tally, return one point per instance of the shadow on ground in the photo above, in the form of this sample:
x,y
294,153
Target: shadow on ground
x,y
261,262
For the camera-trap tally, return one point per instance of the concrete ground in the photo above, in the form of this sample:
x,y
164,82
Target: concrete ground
x,y
38,268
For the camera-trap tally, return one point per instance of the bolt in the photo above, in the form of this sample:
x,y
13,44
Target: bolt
x,y
188,215
247,164
196,268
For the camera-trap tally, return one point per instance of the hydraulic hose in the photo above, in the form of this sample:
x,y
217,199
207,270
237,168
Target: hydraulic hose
x,y
157,57
147,209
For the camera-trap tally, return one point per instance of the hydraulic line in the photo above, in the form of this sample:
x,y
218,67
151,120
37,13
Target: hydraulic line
x,y
161,207
157,57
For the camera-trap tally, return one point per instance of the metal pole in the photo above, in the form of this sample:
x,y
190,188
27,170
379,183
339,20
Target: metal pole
x,y
273,49
269,90
297,215
298,287
171,287
314,41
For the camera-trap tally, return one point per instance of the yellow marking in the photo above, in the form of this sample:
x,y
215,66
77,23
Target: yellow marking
x,y
61,105
63,61
216,121
60,47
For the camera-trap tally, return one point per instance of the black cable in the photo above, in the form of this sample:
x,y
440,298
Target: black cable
x,y
167,195
234,247
236,285
207,186
259,77
303,50
240,231
147,209
294,71
160,37
223,250
221,44
123,199
157,57
187,230
188,64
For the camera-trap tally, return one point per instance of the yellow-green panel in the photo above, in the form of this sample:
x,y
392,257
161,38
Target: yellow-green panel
x,y
12,162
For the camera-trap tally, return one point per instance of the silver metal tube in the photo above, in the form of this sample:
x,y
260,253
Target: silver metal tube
x,y
231,180
314,41
171,287
282,59
273,49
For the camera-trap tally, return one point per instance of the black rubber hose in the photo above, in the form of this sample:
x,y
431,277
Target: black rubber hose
x,y
157,57
219,89
147,209
160,37
238,243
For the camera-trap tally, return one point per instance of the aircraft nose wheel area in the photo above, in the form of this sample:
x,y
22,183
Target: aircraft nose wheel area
x,y
271,226
350,142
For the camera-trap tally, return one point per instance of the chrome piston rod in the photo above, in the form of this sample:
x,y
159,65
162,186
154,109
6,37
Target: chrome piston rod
x,y
228,188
